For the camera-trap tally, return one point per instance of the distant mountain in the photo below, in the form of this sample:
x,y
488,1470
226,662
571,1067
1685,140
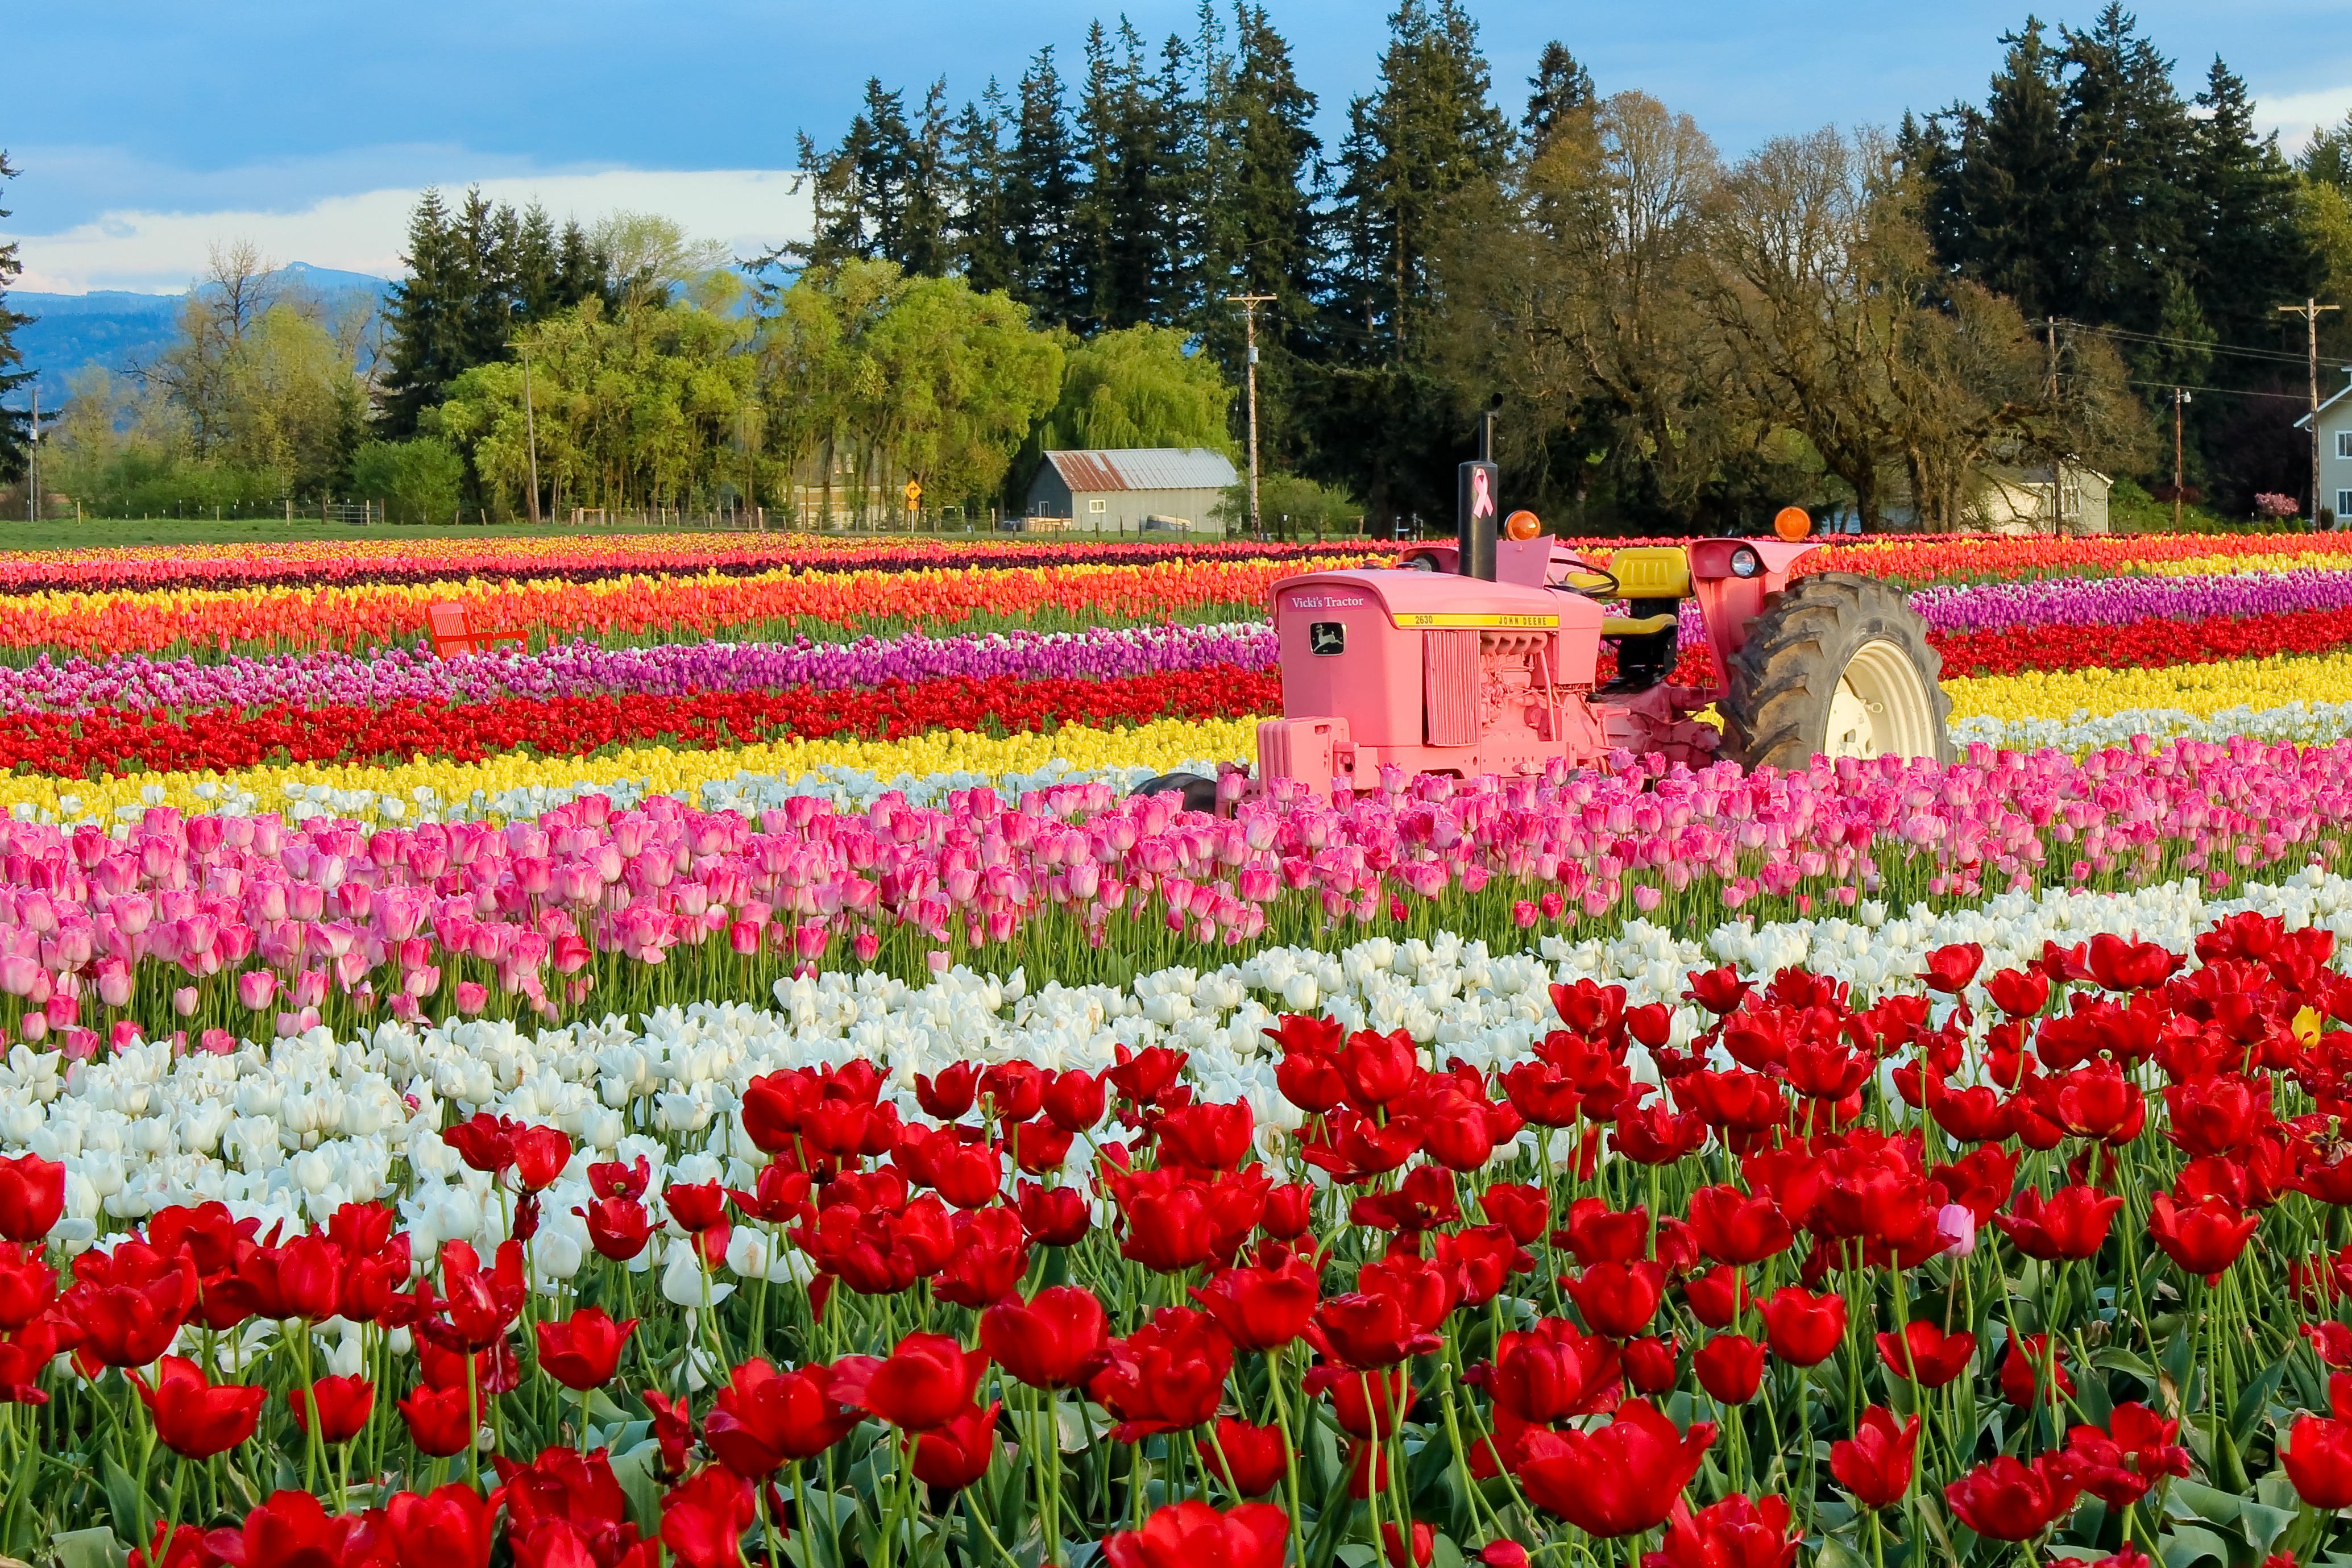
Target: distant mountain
x,y
116,329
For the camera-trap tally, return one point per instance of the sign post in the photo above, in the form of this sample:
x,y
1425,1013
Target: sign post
x,y
914,494
1476,506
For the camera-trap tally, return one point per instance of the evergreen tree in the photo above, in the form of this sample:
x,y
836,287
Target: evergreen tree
x,y
2001,177
1260,230
1428,133
923,246
1561,89
1123,221
15,423
425,314
837,214
580,270
475,276
2129,197
980,234
2328,159
1040,194
2249,245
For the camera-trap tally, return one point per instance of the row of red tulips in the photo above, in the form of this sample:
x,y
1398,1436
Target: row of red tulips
x,y
111,741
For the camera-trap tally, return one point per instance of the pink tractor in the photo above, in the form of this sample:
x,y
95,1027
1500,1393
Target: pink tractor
x,y
1482,658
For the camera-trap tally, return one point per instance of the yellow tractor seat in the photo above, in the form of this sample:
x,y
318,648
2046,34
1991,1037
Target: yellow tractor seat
x,y
1637,625
1651,572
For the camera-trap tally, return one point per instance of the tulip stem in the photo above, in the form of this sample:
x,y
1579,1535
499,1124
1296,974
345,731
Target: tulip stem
x,y
981,1519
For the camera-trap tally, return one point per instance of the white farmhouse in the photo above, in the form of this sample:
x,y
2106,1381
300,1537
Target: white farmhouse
x,y
2334,418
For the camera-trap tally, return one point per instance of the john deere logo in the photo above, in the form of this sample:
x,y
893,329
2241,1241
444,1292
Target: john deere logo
x,y
1324,638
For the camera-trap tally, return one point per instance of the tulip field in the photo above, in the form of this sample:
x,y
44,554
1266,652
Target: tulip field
x,y
737,1079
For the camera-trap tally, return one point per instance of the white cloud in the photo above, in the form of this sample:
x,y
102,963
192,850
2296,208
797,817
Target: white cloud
x,y
749,210
2295,114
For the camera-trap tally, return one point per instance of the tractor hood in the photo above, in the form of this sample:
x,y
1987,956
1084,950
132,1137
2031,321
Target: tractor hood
x,y
1429,600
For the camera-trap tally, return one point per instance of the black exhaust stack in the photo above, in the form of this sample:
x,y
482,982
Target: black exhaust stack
x,y
1477,505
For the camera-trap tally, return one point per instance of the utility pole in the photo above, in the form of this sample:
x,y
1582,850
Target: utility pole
x,y
2179,396
531,433
2310,311
33,464
1249,304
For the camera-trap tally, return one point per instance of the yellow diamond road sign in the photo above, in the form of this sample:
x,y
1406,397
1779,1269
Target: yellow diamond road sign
x,y
914,494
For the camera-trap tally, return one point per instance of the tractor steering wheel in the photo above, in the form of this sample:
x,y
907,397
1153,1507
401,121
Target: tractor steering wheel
x,y
1588,570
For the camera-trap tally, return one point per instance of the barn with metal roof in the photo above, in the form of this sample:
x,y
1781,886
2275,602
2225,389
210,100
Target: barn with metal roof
x,y
1133,491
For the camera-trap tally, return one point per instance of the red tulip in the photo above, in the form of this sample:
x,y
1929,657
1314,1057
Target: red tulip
x,y
2317,1455
1875,1464
291,1530
991,1255
2120,1465
1289,1210
2071,1223
2009,1500
696,1205
449,1527
1619,1480
175,1546
1191,1534
1737,1532
703,1521
2027,1366
440,1421
583,1350
1424,1545
1251,1461
1168,1223
1166,1376
1649,1365
194,1417
1717,1296
950,1095
131,1302
1364,1330
1927,1353
1523,1210
2204,1238
1368,1406
1054,1339
954,1454
1262,1308
618,1228
344,1405
1619,1298
1802,1327
27,1286
484,1141
1378,1067
1553,1371
1054,1216
1730,1367
927,1380
764,1419
32,1197
540,1155
1737,1229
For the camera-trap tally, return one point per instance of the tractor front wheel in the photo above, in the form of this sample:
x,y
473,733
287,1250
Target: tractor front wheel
x,y
1837,665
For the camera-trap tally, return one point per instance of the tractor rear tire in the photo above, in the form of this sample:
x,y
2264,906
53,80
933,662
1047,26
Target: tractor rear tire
x,y
1836,665
1199,794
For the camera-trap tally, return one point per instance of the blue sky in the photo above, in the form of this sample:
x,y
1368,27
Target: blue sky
x,y
147,129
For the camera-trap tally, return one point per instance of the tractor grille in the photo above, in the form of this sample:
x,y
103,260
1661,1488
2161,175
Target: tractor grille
x,y
1450,686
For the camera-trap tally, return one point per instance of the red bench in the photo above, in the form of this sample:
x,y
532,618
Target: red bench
x,y
452,636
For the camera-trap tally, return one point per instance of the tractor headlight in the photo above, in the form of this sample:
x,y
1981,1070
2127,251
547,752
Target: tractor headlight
x,y
1746,563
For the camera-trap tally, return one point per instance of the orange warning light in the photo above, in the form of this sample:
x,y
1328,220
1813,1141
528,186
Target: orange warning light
x,y
1523,525
1792,523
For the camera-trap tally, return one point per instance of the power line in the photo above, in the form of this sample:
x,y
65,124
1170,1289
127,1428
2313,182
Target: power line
x,y
2238,350
2221,391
